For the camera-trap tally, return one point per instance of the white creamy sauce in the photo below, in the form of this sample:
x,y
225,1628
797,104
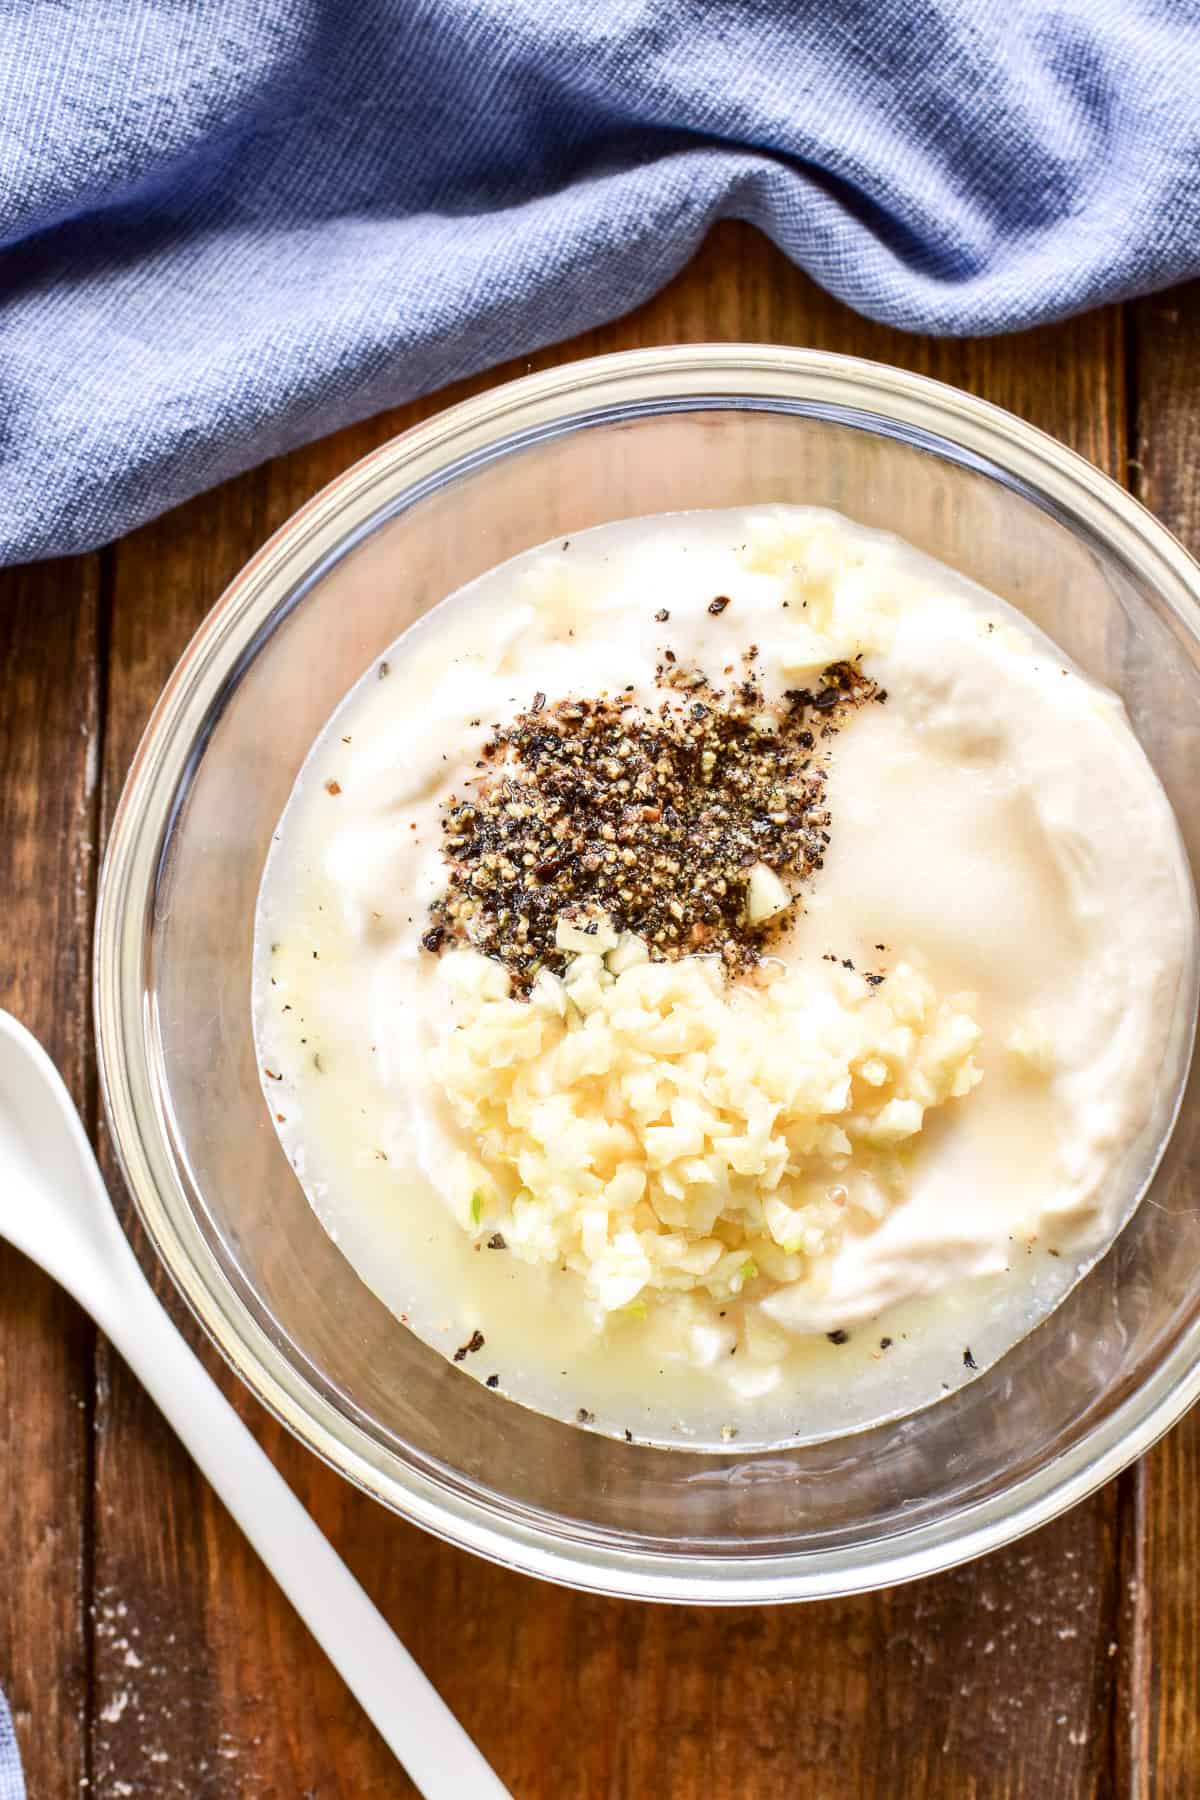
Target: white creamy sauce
x,y
995,823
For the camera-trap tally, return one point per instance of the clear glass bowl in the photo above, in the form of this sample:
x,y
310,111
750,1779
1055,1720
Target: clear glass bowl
x,y
542,458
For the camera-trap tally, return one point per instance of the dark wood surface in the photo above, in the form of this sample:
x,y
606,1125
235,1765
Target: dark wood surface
x,y
144,1649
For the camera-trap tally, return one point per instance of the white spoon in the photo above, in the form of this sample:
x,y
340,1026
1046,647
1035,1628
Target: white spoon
x,y
54,1207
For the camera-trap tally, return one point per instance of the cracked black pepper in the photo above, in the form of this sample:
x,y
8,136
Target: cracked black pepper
x,y
654,817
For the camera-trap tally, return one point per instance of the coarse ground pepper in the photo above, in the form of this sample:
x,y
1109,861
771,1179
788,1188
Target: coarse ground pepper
x,y
653,817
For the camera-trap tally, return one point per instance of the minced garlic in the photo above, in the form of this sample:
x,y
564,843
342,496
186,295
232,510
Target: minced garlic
x,y
663,1128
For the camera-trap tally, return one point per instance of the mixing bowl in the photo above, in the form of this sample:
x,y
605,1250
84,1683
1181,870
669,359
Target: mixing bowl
x,y
540,459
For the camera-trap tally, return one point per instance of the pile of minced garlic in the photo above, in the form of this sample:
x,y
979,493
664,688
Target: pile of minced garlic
x,y
654,1126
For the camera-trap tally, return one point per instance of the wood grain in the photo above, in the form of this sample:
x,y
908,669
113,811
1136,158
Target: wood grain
x,y
1162,1748
49,748
995,1680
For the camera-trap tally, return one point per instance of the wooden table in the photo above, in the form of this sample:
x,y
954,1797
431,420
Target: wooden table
x,y
144,1649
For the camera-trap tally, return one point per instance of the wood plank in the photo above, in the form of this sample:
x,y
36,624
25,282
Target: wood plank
x,y
992,1680
49,751
1161,1727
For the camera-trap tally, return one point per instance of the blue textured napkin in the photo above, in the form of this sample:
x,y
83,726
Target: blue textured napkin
x,y
12,1785
227,226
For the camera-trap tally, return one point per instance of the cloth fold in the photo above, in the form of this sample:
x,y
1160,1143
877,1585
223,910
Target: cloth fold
x,y
231,226
12,1782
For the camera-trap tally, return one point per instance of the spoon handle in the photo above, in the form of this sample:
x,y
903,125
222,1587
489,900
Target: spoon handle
x,y
405,1708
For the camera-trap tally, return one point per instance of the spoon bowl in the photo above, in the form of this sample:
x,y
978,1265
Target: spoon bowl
x,y
54,1206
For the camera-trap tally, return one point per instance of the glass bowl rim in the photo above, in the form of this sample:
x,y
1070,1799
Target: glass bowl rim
x,y
809,382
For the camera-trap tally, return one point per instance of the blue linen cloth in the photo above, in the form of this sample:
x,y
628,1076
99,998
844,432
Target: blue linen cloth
x,y
228,226
12,1784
